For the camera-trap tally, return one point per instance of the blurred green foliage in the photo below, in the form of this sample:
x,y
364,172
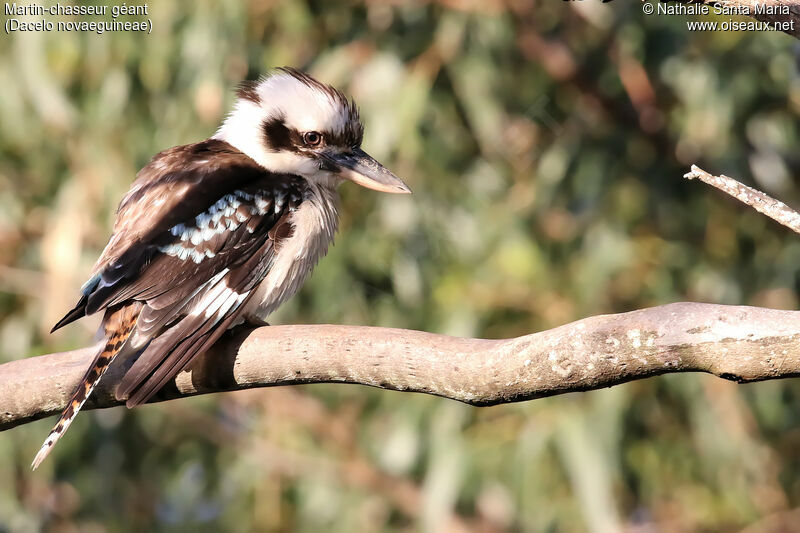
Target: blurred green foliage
x,y
545,143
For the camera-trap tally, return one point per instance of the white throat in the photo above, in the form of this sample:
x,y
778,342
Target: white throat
x,y
315,223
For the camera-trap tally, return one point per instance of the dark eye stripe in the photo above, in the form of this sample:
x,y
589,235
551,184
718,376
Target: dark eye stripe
x,y
279,137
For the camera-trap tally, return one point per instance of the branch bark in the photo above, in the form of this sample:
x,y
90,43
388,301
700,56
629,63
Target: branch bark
x,y
733,342
793,6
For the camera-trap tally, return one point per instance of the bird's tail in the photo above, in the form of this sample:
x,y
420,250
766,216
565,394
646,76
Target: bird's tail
x,y
118,325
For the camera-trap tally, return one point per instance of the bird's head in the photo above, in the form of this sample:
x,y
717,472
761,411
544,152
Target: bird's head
x,y
289,122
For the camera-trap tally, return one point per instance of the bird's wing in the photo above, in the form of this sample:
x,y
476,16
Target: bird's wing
x,y
193,260
187,314
177,184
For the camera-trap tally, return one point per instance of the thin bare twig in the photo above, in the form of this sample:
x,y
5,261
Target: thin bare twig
x,y
764,204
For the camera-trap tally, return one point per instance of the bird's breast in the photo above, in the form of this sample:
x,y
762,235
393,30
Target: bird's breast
x,y
314,225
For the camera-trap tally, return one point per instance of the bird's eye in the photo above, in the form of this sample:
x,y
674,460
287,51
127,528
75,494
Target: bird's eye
x,y
312,138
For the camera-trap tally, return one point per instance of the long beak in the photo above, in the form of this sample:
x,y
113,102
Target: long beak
x,y
359,167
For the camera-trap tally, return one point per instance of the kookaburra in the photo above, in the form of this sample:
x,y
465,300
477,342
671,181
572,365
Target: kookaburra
x,y
221,232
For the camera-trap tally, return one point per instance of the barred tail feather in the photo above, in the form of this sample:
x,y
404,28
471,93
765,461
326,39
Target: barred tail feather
x,y
119,326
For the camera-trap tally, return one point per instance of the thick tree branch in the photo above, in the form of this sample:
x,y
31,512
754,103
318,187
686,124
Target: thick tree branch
x,y
732,342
